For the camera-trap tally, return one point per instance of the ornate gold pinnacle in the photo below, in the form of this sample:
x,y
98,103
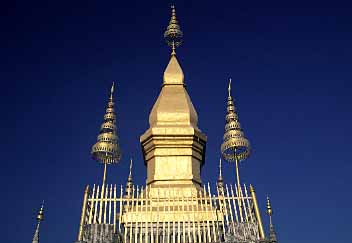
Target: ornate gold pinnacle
x,y
220,182
106,150
129,185
269,210
235,145
40,215
173,34
40,218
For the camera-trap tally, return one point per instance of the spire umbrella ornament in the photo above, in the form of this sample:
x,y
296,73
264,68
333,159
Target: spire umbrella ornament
x,y
173,34
235,147
107,150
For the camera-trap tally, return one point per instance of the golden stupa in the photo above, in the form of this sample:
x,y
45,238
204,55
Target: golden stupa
x,y
174,205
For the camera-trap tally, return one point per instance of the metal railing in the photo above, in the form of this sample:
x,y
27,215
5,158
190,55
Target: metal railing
x,y
145,217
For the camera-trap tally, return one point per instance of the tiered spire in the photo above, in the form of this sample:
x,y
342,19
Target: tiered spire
x,y
220,182
129,185
40,218
106,150
269,211
173,34
235,147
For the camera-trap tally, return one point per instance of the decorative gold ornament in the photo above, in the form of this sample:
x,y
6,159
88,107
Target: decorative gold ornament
x,y
40,215
220,182
129,185
235,145
173,34
40,218
269,210
106,150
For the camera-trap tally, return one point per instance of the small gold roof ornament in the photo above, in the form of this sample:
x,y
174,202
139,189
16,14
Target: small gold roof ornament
x,y
129,185
220,182
235,147
40,218
173,34
107,150
269,212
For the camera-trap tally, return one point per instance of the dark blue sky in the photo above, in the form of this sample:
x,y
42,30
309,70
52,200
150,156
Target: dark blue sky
x,y
291,68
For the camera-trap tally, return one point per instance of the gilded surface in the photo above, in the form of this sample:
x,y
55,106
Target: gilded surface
x,y
173,146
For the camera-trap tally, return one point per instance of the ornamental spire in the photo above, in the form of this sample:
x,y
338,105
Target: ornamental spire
x,y
40,217
106,150
235,147
173,73
269,212
220,182
129,185
173,34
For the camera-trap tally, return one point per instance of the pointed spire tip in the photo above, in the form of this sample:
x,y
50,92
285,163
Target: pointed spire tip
x,y
229,87
131,163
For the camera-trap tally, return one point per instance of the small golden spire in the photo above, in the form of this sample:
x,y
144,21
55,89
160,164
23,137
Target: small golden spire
x,y
220,182
269,212
112,90
40,218
131,163
235,147
229,88
129,185
173,34
107,150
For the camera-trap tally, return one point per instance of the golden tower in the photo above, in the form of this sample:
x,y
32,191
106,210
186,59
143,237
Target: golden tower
x,y
174,206
173,146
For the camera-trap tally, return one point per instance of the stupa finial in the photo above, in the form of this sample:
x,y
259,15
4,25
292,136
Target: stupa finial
x,y
173,34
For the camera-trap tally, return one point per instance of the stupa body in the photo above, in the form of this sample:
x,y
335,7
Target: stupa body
x,y
173,146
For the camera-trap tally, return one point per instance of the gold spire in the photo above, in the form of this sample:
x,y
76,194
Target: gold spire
x,y
173,34
40,215
40,218
173,73
112,90
220,170
235,146
229,88
106,150
130,175
129,185
269,212
220,182
173,146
